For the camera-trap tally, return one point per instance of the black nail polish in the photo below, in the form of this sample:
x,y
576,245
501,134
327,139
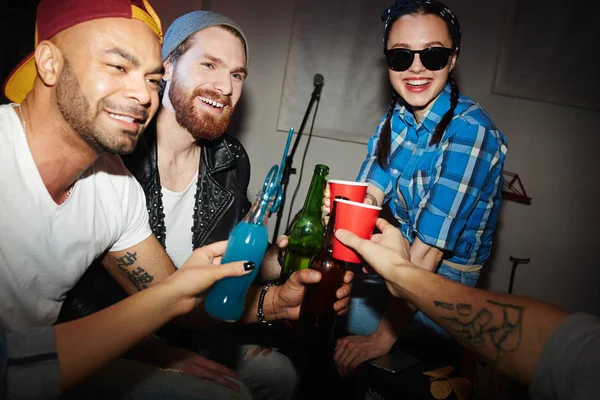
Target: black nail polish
x,y
248,266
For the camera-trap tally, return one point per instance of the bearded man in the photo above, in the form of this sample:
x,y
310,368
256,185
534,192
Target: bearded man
x,y
195,177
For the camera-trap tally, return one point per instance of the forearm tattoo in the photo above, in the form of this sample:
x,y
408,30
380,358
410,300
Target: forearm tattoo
x,y
478,328
372,198
446,306
136,274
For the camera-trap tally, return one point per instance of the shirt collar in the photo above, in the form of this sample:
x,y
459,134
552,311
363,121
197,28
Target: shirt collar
x,y
432,116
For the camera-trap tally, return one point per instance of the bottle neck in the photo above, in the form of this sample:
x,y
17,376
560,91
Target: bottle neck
x,y
314,198
258,214
329,232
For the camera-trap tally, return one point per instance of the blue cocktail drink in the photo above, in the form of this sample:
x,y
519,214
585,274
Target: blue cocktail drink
x,y
226,299
248,241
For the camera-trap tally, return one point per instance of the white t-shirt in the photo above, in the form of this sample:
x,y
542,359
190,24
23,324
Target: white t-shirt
x,y
44,247
179,211
569,364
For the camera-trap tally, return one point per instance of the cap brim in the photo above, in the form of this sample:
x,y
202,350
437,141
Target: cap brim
x,y
20,81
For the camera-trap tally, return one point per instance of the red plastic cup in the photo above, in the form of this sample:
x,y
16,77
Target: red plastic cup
x,y
358,218
353,191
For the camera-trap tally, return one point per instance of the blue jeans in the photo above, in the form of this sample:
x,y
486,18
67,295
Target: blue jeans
x,y
369,299
268,374
133,380
465,278
262,375
367,304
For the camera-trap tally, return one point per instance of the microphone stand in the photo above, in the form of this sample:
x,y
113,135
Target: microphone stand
x,y
288,169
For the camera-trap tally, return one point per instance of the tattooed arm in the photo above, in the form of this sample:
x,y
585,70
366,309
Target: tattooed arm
x,y
140,266
508,331
145,265
86,344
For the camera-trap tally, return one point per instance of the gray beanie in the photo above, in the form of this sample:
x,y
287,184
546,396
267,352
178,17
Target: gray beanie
x,y
190,23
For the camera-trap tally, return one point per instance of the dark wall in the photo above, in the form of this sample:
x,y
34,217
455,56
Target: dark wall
x,y
17,31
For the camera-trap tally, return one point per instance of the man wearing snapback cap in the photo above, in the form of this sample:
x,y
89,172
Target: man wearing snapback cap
x,y
94,92
82,98
195,177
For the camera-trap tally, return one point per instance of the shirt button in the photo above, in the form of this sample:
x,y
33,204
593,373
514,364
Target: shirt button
x,y
395,171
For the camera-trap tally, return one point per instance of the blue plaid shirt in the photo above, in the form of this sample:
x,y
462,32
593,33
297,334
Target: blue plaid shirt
x,y
447,195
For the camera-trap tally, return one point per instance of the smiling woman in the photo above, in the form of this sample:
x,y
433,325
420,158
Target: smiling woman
x,y
436,159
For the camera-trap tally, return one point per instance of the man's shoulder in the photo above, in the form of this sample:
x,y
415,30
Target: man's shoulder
x,y
140,161
6,121
5,109
225,153
236,147
111,176
231,154
111,164
569,360
471,112
472,120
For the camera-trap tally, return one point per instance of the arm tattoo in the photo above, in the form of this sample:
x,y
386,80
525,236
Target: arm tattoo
x,y
446,306
464,309
137,275
372,198
477,328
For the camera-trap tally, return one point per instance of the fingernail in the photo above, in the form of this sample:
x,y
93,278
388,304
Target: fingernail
x,y
339,233
248,266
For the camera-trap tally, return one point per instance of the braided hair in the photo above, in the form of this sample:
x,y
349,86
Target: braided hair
x,y
443,124
418,7
385,134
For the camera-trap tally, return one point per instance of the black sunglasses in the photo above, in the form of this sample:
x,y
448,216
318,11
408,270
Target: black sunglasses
x,y
432,58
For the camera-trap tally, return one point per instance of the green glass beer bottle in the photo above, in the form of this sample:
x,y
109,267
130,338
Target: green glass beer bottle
x,y
306,231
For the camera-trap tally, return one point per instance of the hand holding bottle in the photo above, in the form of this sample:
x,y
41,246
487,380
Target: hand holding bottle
x,y
317,319
200,271
247,241
289,296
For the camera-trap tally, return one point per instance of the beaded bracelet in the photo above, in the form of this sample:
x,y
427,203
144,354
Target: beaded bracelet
x,y
260,312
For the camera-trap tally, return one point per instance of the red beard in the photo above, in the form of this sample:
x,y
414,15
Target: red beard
x,y
201,125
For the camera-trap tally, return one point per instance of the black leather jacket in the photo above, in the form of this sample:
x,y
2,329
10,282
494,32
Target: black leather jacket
x,y
221,202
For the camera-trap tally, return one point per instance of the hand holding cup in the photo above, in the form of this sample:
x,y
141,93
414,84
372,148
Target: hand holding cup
x,y
358,218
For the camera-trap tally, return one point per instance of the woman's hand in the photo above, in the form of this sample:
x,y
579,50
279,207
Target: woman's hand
x,y
201,270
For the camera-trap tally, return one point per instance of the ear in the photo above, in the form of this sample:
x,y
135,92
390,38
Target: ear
x,y
452,61
168,70
48,61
